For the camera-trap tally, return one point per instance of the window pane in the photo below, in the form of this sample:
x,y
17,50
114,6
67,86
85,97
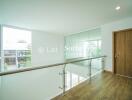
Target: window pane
x,y
17,48
10,63
9,53
24,62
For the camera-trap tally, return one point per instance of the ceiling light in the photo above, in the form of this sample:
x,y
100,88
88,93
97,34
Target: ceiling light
x,y
118,8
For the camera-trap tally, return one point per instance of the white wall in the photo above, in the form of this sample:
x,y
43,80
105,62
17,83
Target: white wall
x,y
47,48
107,30
0,57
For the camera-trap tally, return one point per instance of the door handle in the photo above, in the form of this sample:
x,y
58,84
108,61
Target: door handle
x,y
117,55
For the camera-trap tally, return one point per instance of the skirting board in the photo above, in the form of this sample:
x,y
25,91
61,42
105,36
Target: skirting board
x,y
108,71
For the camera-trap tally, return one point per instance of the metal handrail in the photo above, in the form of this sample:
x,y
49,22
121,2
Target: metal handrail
x,y
46,66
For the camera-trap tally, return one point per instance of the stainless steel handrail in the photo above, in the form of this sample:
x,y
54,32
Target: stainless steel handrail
x,y
46,66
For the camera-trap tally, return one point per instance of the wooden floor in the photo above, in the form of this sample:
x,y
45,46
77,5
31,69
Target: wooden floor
x,y
105,86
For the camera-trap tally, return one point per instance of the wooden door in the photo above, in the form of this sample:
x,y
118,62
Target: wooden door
x,y
128,53
123,53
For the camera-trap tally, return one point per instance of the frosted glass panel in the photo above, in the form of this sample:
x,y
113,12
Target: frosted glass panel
x,y
83,44
33,85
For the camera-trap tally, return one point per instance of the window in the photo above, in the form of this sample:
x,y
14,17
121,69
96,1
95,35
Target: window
x,y
16,47
92,48
83,44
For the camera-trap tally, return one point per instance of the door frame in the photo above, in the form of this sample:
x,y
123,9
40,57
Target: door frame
x,y
113,48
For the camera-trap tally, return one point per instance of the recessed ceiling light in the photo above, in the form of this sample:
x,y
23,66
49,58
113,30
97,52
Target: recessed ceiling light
x,y
118,8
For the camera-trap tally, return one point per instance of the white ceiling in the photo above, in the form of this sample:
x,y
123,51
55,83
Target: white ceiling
x,y
63,16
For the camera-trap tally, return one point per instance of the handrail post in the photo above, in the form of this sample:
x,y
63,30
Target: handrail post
x,y
103,63
90,71
64,79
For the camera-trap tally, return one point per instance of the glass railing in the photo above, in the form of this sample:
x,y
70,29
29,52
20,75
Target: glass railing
x,y
46,82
